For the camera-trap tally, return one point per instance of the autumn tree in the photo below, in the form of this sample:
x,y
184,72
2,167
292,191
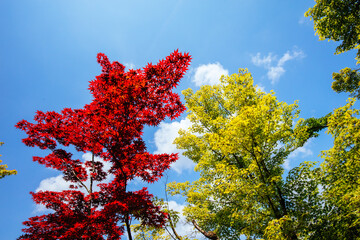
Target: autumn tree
x,y
3,169
110,127
339,21
239,139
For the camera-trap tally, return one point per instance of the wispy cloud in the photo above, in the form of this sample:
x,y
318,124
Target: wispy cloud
x,y
164,138
209,74
275,68
265,62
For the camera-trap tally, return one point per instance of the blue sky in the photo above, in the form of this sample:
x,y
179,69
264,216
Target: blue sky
x,y
48,54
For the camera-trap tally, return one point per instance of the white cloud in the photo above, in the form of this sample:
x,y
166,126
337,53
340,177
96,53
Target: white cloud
x,y
276,68
164,138
39,208
209,74
183,227
274,73
129,65
58,183
301,152
55,184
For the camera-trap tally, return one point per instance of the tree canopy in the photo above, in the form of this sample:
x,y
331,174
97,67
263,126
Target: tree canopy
x,y
239,138
340,174
110,127
339,20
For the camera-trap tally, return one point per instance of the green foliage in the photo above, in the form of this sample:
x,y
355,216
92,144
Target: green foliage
x,y
168,232
347,80
340,173
240,138
303,197
3,171
339,20
274,230
312,126
339,218
143,232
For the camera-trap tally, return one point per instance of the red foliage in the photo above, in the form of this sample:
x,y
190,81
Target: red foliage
x,y
109,127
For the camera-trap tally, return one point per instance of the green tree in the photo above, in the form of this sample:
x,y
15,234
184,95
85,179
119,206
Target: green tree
x,y
239,139
143,232
3,171
340,176
347,80
339,21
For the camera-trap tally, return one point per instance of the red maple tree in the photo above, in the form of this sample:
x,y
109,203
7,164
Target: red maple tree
x,y
110,127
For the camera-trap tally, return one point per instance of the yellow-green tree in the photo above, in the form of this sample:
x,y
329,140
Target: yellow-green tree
x,y
3,168
339,21
239,139
340,176
143,232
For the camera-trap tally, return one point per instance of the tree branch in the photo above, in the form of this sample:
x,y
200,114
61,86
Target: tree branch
x,y
74,174
210,235
170,220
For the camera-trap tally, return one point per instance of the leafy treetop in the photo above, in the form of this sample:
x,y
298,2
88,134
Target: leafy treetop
x,y
110,127
339,20
239,138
